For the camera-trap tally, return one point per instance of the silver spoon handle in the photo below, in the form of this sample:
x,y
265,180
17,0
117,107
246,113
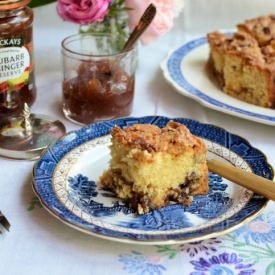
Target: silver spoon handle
x,y
142,25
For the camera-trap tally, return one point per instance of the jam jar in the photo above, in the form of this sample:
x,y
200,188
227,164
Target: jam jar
x,y
99,81
17,84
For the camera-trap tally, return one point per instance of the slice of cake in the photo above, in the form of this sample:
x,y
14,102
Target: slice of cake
x,y
151,166
261,28
244,62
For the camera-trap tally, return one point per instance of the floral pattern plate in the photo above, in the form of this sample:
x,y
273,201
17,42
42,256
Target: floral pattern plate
x,y
66,182
185,69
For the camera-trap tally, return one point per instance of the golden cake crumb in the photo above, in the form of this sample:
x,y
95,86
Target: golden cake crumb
x,y
244,62
152,166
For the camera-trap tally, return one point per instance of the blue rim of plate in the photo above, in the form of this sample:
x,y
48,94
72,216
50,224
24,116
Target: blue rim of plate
x,y
173,65
44,169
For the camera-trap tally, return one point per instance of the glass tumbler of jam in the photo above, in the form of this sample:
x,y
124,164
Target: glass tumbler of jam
x,y
16,69
98,81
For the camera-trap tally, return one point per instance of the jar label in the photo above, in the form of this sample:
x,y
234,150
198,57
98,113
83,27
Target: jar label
x,y
14,66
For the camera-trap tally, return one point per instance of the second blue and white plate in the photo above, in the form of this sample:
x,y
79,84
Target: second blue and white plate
x,y
185,69
66,182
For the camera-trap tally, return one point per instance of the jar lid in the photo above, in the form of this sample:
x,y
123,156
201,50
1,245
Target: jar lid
x,y
12,4
26,136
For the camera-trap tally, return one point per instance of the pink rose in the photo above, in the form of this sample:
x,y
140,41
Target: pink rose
x,y
83,11
161,23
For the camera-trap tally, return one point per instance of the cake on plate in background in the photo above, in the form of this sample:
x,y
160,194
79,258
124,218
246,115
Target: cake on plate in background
x,y
244,62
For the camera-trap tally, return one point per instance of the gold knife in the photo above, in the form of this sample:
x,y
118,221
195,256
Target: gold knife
x,y
248,180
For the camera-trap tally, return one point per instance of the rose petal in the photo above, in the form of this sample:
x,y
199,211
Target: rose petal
x,y
83,11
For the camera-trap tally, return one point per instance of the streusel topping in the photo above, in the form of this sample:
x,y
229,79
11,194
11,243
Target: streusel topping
x,y
174,138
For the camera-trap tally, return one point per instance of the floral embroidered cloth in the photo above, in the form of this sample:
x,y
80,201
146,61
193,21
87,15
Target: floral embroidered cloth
x,y
38,243
248,250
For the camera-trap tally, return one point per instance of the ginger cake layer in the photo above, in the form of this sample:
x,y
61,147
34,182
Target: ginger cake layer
x,y
151,167
244,62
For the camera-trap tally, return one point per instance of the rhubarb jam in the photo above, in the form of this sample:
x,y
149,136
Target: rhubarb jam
x,y
98,95
99,81
16,66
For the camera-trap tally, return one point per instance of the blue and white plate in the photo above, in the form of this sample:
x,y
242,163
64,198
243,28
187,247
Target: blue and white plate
x,y
66,182
185,69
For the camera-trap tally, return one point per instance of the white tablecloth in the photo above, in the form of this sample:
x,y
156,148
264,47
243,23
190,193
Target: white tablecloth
x,y
40,244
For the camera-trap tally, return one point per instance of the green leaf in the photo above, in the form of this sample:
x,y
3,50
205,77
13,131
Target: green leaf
x,y
167,251
33,203
272,253
38,3
172,255
238,244
229,237
270,270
